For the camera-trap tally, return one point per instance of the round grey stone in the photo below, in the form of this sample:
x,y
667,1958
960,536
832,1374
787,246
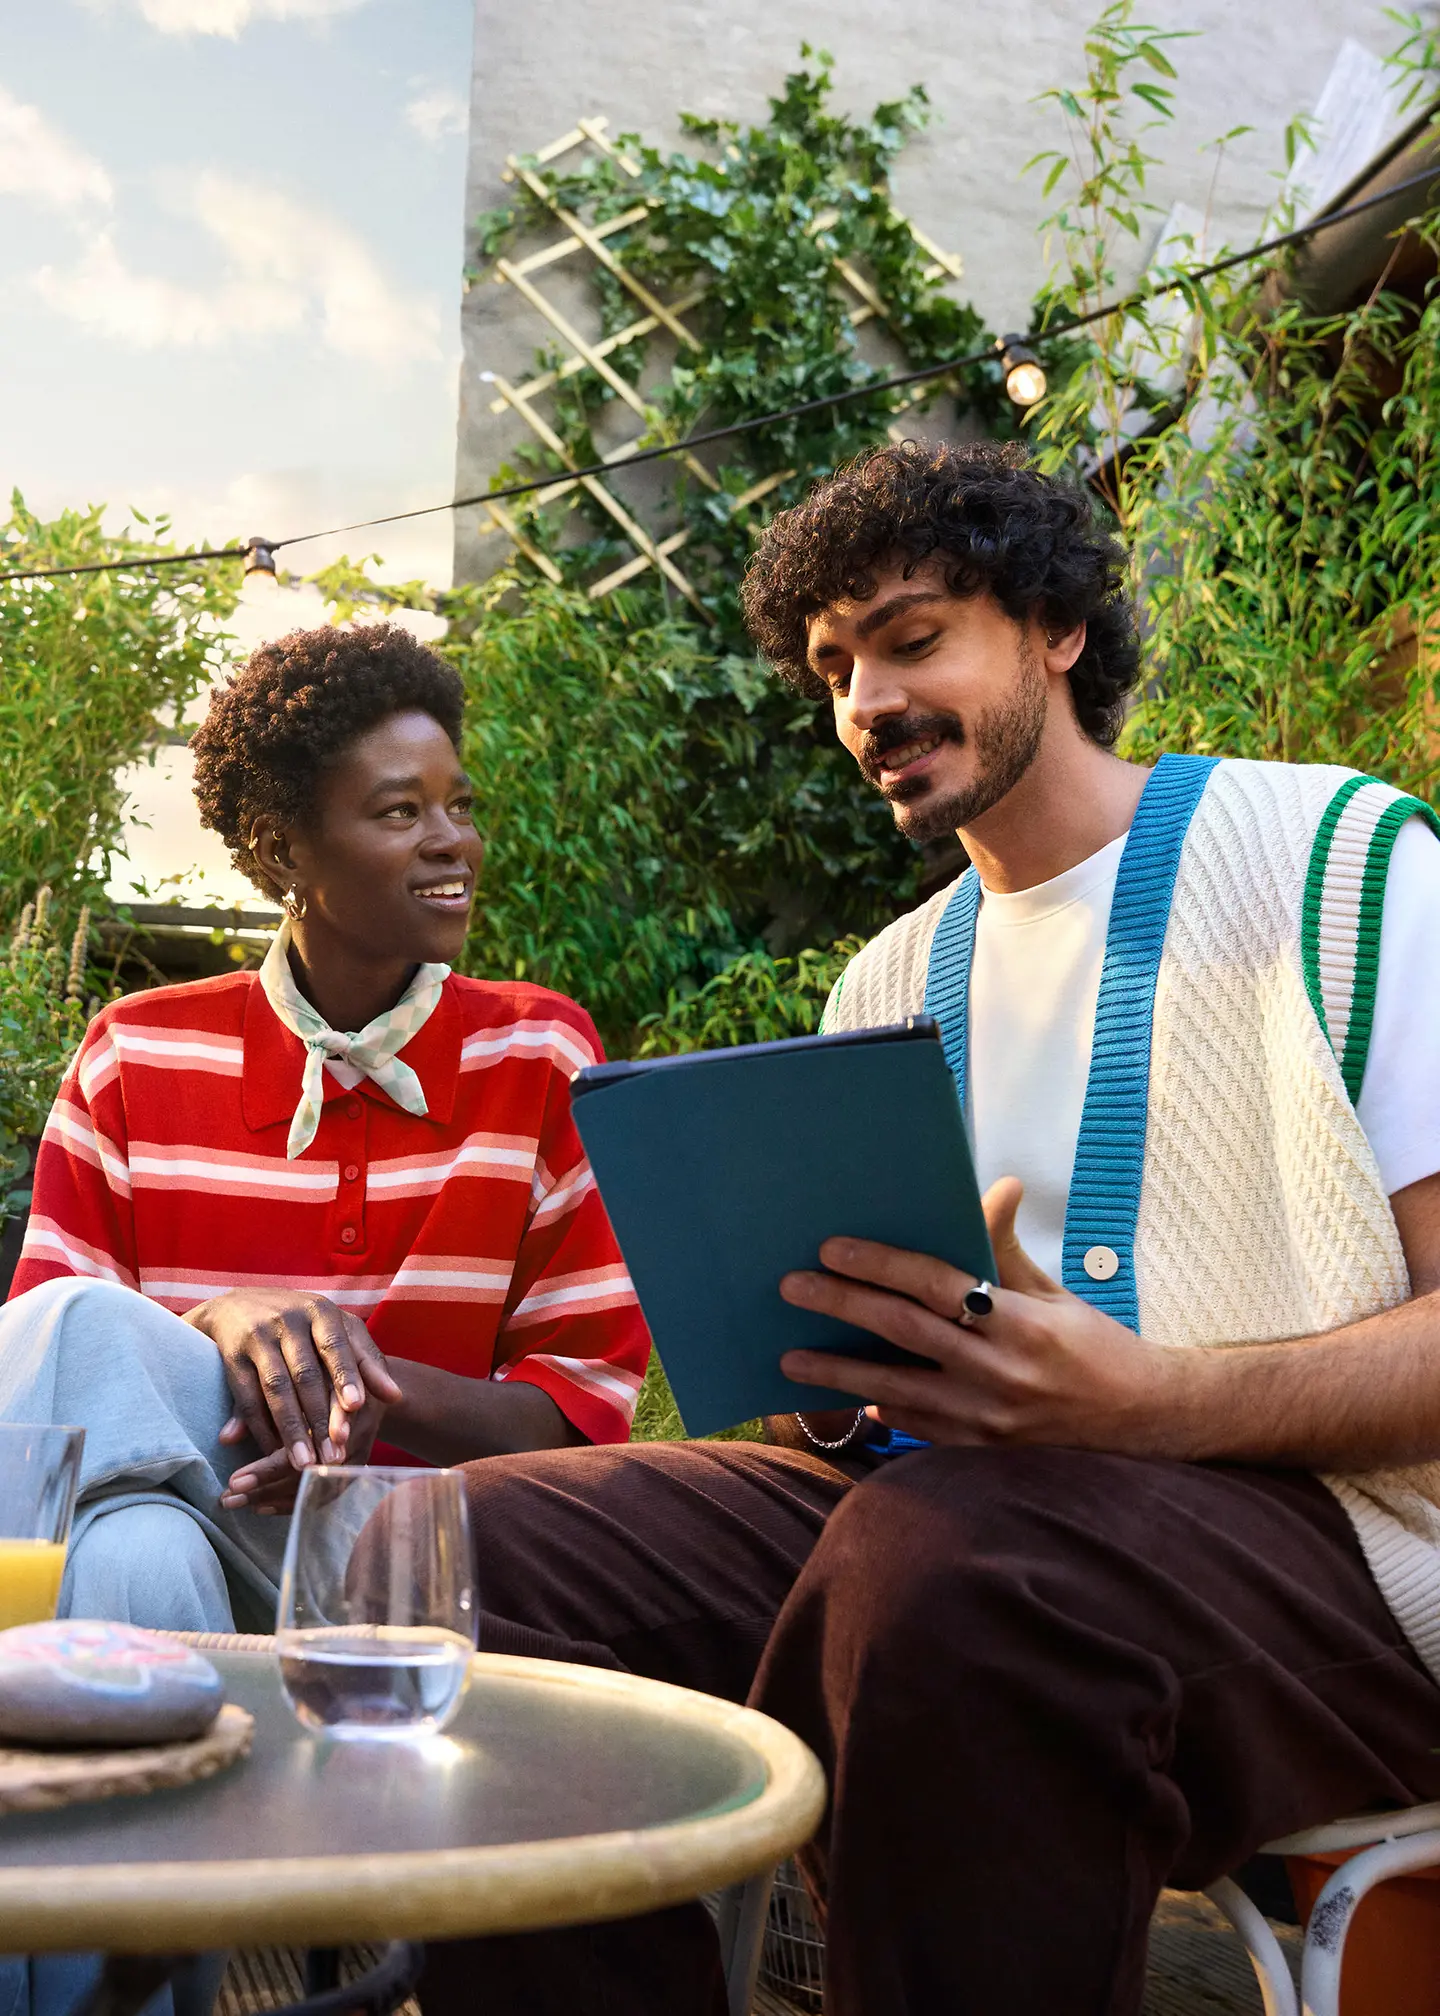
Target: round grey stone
x,y
82,1683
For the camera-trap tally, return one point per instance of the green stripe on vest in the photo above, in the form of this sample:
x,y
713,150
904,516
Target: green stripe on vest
x,y
1342,912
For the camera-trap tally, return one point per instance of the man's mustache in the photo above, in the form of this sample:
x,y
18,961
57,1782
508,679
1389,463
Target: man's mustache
x,y
877,743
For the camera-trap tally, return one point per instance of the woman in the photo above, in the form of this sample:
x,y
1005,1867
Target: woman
x,y
275,1211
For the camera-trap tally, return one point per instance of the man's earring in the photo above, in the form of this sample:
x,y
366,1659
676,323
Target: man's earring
x,y
293,903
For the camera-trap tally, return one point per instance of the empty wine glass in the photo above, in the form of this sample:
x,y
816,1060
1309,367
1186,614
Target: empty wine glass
x,y
377,1616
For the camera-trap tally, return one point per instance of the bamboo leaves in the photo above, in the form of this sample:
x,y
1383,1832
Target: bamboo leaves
x,y
86,665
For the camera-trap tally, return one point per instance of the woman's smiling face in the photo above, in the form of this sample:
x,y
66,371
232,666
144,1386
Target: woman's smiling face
x,y
388,862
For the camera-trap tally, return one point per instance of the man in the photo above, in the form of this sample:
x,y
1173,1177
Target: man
x,y
1141,1605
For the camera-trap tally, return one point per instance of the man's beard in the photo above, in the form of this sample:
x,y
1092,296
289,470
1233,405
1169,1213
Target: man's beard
x,y
1007,741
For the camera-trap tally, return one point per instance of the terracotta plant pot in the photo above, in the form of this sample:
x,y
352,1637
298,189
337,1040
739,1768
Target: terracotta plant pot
x,y
1392,1953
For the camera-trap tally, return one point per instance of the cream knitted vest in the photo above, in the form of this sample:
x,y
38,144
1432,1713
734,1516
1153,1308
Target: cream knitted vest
x,y
1261,1212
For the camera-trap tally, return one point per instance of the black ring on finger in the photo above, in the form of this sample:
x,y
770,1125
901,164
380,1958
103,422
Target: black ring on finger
x,y
979,1300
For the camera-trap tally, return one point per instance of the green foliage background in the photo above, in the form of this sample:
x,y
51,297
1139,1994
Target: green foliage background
x,y
88,665
755,999
649,804
43,1011
1274,470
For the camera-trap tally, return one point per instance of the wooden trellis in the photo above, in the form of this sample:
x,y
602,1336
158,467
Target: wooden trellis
x,y
655,315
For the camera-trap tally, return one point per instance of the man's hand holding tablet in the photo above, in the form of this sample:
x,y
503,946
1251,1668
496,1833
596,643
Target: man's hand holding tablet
x,y
1042,1367
725,1172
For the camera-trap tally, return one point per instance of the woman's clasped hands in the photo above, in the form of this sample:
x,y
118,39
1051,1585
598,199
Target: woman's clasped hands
x,y
308,1383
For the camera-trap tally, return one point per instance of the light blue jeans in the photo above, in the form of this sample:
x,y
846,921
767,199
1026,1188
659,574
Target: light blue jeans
x,y
150,1544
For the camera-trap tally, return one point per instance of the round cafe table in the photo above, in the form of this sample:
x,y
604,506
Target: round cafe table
x,y
558,1795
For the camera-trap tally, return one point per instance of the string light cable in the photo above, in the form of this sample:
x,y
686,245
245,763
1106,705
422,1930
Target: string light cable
x,y
1009,352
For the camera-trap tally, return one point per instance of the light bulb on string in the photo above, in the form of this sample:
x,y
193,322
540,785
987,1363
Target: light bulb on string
x,y
259,574
1024,374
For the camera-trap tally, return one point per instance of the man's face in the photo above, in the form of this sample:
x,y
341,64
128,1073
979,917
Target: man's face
x,y
941,700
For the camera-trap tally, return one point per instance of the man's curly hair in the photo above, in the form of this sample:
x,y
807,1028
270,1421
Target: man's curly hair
x,y
997,525
290,710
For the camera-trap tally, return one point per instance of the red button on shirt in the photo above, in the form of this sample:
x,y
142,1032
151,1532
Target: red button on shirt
x,y
352,1170
352,1109
347,1235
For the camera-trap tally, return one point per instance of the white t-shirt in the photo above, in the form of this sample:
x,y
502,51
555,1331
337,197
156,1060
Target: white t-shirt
x,y
1034,984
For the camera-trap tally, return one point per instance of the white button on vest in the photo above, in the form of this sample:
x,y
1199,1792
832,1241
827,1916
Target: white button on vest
x,y
1101,1262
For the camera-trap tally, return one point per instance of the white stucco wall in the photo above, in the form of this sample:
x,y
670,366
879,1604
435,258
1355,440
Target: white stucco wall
x,y
539,68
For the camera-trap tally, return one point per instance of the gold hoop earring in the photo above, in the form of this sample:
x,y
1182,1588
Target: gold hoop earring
x,y
293,904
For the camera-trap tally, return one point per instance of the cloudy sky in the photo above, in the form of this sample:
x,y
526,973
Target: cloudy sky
x,y
230,250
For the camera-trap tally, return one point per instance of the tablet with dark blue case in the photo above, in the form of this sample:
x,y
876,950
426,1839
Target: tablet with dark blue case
x,y
726,1169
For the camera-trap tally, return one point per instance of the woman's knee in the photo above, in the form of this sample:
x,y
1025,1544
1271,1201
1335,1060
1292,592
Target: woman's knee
x,y
147,1564
71,1318
86,1345
44,1330
108,1301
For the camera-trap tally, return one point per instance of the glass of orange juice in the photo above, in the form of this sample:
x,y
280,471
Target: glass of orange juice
x,y
39,1475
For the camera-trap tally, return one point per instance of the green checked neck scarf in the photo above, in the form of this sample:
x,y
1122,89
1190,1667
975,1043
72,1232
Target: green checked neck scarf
x,y
372,1050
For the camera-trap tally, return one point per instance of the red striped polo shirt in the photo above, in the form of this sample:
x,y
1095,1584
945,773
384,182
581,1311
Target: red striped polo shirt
x,y
471,1238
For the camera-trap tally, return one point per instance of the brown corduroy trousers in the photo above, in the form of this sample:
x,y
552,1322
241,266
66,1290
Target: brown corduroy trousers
x,y
1044,1684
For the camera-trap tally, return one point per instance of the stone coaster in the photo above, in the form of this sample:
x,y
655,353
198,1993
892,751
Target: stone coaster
x,y
78,1682
32,1781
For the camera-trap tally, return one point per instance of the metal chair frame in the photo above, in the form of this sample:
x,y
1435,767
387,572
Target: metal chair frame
x,y
1394,1844
741,1915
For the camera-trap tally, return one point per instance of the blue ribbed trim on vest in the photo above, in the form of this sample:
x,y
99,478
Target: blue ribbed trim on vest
x,y
947,977
1104,1199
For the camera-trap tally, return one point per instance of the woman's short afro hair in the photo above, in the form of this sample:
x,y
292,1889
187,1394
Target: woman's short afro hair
x,y
998,527
292,708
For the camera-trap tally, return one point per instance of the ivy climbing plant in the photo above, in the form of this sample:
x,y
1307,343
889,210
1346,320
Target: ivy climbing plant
x,y
753,222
